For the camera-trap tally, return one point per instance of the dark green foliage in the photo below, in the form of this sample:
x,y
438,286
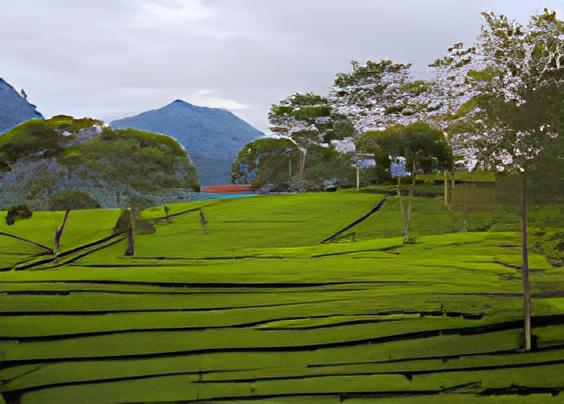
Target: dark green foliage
x,y
133,160
383,145
16,213
326,164
302,106
546,173
424,148
72,200
341,128
369,70
313,111
266,162
275,162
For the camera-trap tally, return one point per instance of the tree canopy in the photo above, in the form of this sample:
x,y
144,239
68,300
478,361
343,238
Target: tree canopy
x,y
41,158
423,147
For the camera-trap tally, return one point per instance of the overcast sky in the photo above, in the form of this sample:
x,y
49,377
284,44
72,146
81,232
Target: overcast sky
x,y
114,58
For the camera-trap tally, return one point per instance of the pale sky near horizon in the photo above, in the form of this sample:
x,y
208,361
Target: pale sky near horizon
x,y
114,58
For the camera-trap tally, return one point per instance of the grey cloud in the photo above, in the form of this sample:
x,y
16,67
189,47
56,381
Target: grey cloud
x,y
110,58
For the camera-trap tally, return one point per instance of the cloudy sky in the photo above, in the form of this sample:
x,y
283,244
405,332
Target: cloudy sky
x,y
114,58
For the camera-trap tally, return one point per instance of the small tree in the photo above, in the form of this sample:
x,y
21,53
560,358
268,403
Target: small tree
x,y
167,214
18,212
422,147
203,221
130,223
59,233
266,162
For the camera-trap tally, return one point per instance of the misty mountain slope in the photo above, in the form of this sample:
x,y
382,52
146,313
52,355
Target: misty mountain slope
x,y
14,108
213,136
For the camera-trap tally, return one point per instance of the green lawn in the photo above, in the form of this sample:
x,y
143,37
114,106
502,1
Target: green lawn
x,y
256,308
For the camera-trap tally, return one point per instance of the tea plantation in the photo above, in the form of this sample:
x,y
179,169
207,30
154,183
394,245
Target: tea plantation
x,y
253,306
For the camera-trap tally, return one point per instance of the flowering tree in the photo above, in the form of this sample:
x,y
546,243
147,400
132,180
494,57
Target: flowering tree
x,y
448,93
377,95
511,68
307,120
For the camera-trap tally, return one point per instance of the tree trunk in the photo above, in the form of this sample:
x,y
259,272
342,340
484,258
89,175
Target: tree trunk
x,y
130,236
290,167
445,188
451,190
358,178
465,211
59,233
302,163
525,266
130,243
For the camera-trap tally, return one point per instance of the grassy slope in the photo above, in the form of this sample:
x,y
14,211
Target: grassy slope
x,y
257,308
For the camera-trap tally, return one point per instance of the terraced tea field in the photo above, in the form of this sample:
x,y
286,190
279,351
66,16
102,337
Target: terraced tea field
x,y
256,308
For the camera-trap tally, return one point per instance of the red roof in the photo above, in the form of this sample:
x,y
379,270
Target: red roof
x,y
228,189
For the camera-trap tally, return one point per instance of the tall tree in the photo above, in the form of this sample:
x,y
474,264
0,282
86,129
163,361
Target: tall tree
x,y
511,65
376,95
307,120
447,93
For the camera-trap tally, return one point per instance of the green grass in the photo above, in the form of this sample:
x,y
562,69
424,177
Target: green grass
x,y
256,307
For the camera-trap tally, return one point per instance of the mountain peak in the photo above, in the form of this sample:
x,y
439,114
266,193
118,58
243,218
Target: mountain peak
x,y
212,136
178,101
14,107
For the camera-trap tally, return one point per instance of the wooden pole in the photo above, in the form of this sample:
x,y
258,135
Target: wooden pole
x,y
525,266
402,210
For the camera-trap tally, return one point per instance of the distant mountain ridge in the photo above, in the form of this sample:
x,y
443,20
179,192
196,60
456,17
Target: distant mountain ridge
x,y
14,107
212,136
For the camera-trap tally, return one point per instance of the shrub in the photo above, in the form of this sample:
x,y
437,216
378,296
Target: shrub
x,y
16,213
